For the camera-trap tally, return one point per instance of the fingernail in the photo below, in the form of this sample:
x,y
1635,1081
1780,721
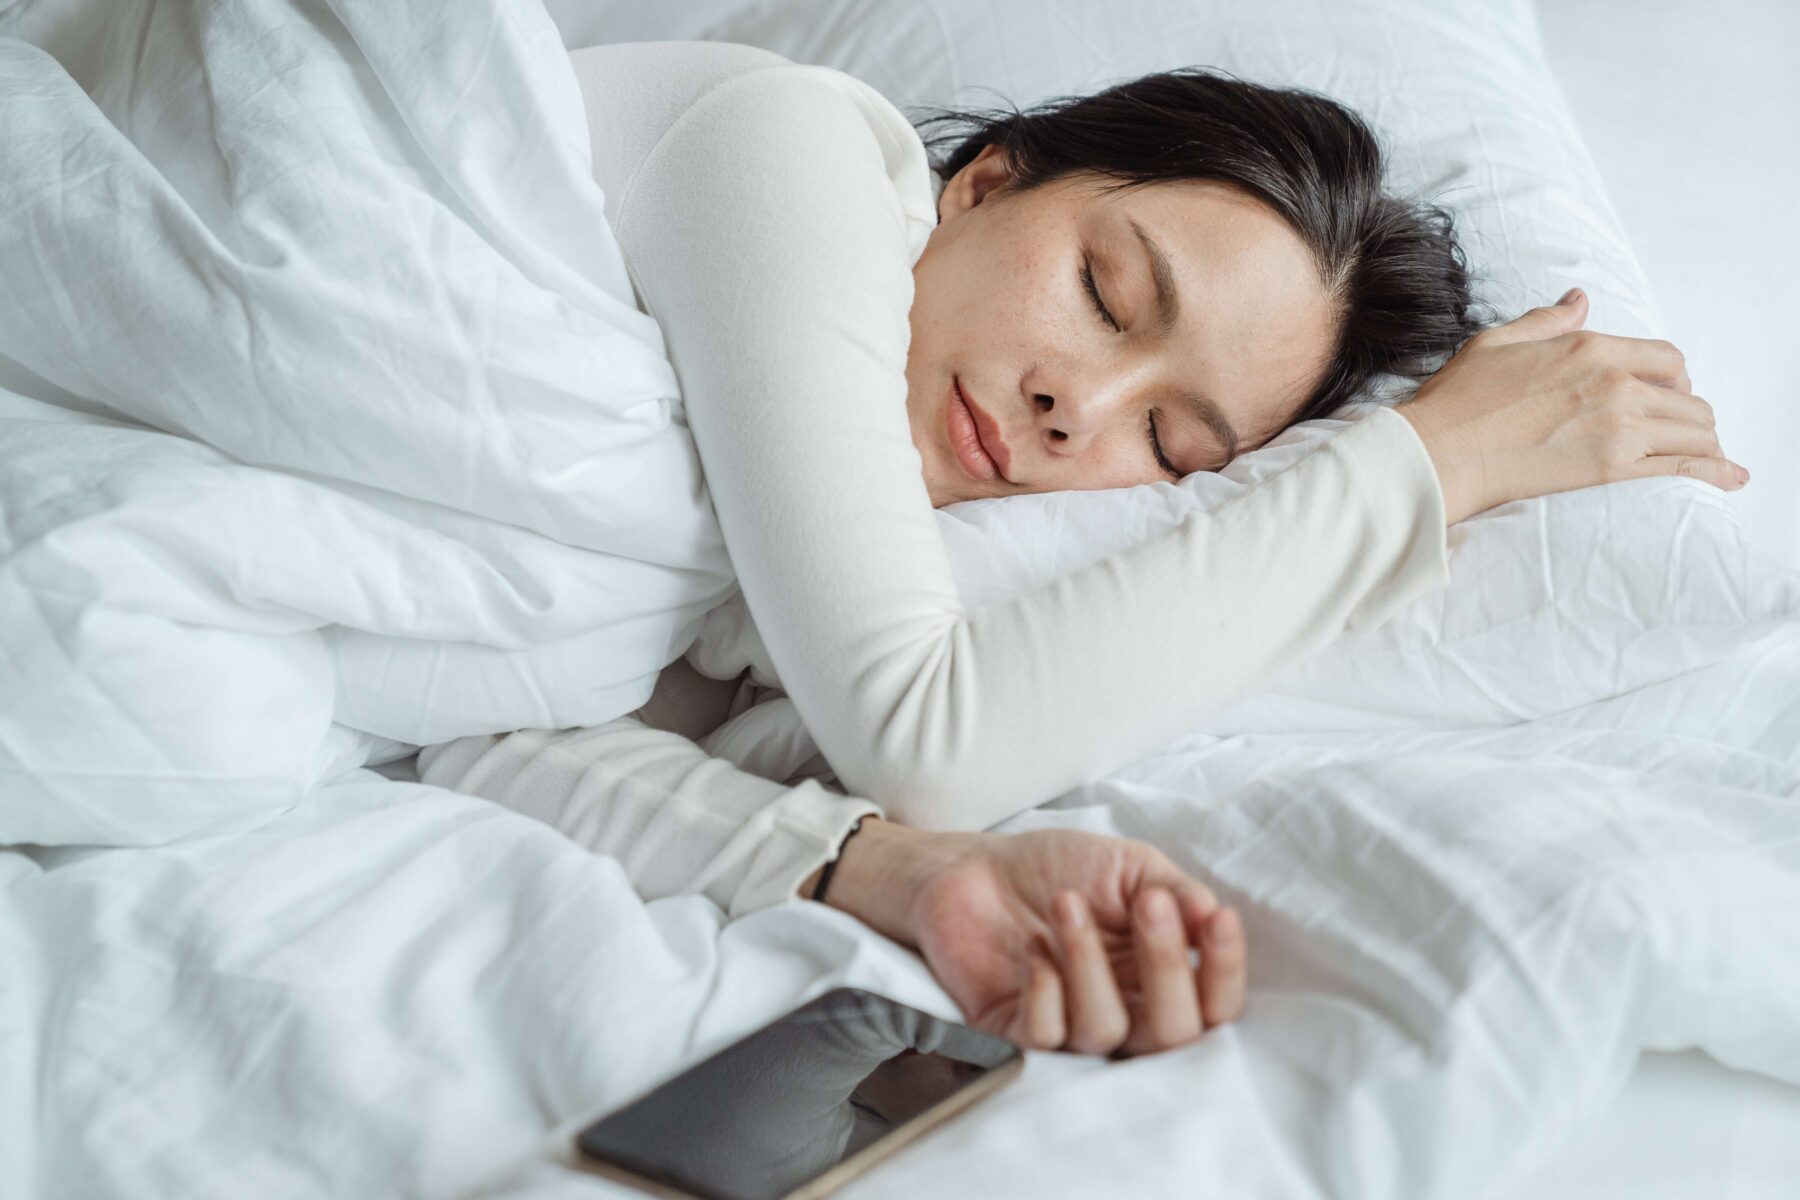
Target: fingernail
x,y
1743,475
1569,296
1159,909
1069,910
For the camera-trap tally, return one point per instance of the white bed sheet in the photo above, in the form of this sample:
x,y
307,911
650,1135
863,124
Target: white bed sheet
x,y
1461,945
1685,1127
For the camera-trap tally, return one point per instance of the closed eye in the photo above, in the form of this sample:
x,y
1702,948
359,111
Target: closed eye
x,y
1087,281
1162,459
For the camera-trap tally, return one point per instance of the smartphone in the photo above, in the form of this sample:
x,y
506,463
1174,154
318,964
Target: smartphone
x,y
801,1106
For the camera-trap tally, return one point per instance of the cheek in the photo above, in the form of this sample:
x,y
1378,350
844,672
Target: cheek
x,y
1127,466
994,286
1111,462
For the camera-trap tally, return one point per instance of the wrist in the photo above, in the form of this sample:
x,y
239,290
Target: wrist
x,y
1461,474
881,870
830,873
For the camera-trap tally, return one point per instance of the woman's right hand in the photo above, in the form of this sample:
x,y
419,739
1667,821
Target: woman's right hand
x,y
990,913
1540,405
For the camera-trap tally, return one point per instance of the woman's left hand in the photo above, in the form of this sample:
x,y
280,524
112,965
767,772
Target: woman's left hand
x,y
990,913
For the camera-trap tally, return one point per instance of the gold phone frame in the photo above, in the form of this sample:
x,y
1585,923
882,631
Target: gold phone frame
x,y
839,1173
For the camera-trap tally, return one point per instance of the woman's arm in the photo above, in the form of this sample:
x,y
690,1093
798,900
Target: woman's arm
x,y
678,820
981,908
767,239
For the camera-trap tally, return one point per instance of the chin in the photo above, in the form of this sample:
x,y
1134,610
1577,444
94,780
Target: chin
x,y
952,489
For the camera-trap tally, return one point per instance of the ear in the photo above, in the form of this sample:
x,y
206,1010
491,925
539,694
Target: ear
x,y
986,173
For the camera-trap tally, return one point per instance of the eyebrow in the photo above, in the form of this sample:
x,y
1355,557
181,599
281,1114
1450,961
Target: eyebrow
x,y
1168,311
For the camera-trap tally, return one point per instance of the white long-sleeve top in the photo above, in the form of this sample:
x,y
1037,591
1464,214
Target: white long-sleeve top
x,y
769,214
711,787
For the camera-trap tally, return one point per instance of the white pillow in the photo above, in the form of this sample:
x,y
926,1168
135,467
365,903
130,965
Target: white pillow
x,y
1553,602
1461,95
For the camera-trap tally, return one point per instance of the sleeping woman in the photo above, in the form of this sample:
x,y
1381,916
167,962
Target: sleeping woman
x,y
1104,291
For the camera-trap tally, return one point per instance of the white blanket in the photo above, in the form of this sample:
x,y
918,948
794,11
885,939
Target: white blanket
x,y
330,404
327,401
1461,942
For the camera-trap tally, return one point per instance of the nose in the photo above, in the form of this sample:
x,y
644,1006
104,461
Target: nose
x,y
1072,416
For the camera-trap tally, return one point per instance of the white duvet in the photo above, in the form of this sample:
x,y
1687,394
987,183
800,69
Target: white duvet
x,y
270,273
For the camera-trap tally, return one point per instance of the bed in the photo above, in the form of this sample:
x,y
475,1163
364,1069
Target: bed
x,y
1519,868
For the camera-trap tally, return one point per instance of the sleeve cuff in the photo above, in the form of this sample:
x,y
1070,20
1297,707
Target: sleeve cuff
x,y
1406,510
809,827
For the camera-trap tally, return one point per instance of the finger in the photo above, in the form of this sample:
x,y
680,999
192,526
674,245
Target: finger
x,y
1224,961
1164,873
1169,1011
1197,903
1722,473
1097,1019
1672,402
1650,359
1677,435
1040,1023
1547,321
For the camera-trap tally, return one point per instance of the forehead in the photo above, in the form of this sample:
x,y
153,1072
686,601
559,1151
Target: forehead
x,y
1256,328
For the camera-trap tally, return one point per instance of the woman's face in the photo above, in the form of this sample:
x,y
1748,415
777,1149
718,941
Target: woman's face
x,y
1053,396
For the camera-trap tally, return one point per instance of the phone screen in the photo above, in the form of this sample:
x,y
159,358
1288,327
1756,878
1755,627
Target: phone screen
x,y
849,1075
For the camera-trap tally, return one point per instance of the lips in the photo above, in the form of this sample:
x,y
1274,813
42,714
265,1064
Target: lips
x,y
975,437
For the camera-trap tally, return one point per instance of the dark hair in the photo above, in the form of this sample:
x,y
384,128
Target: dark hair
x,y
1392,267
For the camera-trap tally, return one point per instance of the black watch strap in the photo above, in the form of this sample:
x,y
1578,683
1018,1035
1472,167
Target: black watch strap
x,y
825,875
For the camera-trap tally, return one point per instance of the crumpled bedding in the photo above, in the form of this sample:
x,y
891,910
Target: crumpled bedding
x,y
330,415
1462,942
234,566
